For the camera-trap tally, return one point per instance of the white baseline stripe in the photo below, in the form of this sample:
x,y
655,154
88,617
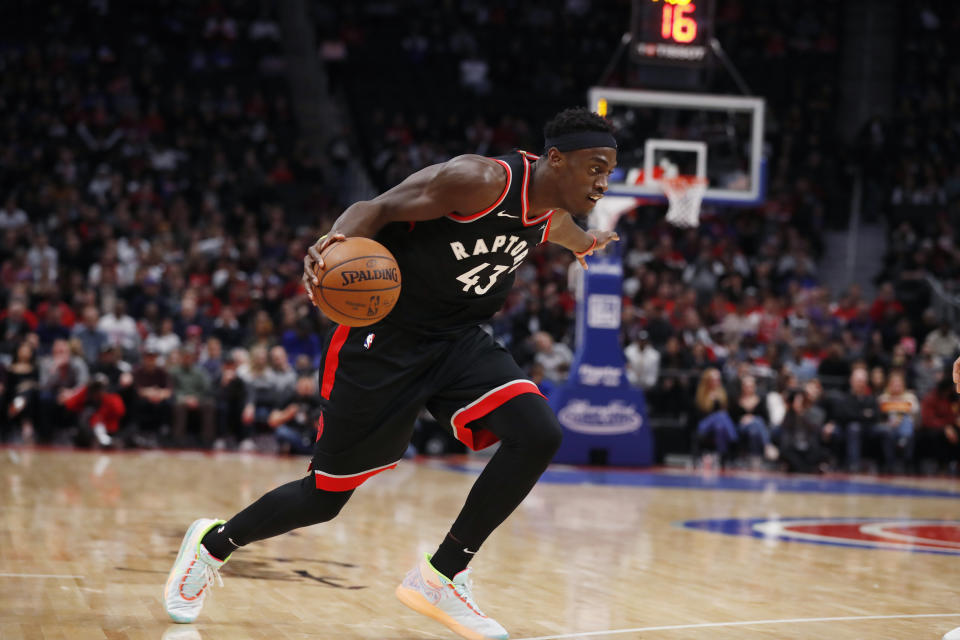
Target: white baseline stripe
x,y
748,623
39,575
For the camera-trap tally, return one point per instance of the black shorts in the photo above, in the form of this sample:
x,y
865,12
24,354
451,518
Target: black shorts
x,y
374,381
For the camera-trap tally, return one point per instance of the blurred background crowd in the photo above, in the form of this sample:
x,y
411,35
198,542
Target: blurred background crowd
x,y
157,195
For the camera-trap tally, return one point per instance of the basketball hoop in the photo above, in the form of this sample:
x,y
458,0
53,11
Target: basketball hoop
x,y
685,194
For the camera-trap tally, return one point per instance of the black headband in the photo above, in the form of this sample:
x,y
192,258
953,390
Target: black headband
x,y
582,140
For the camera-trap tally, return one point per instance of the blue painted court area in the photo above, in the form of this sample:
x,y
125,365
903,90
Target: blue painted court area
x,y
726,482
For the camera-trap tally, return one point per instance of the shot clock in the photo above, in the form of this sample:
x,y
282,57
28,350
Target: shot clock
x,y
671,31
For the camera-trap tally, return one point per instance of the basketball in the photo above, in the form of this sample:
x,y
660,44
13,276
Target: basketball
x,y
360,283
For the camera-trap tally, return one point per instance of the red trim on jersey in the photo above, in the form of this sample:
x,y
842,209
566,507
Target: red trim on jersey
x,y
546,230
319,428
475,216
332,361
330,482
524,201
493,399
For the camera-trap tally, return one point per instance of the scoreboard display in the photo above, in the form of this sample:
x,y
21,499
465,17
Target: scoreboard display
x,y
671,31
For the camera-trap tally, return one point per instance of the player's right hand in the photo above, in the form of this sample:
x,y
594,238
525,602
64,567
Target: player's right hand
x,y
956,373
313,262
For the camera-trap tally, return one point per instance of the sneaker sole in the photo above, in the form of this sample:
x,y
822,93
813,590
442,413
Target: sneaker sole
x,y
416,601
183,547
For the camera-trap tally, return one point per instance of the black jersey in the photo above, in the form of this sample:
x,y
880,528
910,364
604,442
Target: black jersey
x,y
458,269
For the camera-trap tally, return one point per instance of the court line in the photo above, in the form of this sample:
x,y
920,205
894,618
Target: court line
x,y
40,575
747,623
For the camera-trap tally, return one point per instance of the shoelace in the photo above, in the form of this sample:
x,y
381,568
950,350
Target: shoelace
x,y
464,589
201,576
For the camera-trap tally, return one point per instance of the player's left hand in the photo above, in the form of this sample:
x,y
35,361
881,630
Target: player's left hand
x,y
603,239
313,262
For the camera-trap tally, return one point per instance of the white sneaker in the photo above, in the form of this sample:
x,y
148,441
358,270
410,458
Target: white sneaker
x,y
194,571
103,437
449,602
952,635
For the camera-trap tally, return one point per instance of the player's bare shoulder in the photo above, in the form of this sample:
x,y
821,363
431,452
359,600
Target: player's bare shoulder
x,y
465,183
475,181
476,168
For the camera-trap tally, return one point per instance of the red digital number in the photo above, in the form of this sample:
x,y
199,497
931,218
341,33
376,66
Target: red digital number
x,y
676,25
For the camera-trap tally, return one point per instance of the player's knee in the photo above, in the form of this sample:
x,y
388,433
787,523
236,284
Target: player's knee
x,y
531,425
550,436
328,504
321,504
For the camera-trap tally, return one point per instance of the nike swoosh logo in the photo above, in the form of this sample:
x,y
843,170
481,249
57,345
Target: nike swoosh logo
x,y
504,214
466,550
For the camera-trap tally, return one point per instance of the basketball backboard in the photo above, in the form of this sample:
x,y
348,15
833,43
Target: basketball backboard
x,y
716,137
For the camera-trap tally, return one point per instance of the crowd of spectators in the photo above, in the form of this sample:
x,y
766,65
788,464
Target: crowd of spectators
x,y
725,342
427,80
150,257
911,157
152,184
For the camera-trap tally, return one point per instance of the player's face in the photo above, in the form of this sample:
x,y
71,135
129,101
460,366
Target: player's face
x,y
584,177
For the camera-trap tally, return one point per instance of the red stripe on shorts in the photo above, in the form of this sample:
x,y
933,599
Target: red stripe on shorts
x,y
493,399
329,482
332,360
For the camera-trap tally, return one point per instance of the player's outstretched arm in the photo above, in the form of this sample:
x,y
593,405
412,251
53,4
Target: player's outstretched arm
x,y
565,232
464,184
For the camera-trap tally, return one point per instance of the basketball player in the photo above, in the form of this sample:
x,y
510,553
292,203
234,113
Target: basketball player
x,y
459,230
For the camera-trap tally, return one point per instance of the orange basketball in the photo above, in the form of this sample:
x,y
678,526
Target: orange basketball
x,y
360,284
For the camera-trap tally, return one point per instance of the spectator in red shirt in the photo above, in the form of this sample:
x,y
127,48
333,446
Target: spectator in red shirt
x,y
280,174
100,412
886,300
846,308
769,319
67,316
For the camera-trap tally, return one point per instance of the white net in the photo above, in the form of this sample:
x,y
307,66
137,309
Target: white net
x,y
685,194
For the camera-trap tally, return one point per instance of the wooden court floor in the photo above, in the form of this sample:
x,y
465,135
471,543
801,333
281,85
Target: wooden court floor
x,y
86,540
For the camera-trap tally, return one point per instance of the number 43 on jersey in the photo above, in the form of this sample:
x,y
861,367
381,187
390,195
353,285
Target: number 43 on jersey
x,y
473,277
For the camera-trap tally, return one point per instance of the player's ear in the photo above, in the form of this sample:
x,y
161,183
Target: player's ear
x,y
555,157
